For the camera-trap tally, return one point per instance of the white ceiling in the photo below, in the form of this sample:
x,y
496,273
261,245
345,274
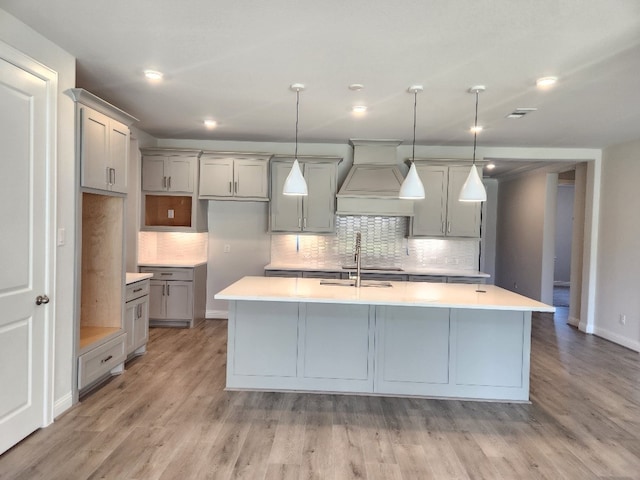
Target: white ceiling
x,y
233,60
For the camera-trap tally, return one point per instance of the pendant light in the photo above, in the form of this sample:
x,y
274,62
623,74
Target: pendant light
x,y
412,187
473,190
295,183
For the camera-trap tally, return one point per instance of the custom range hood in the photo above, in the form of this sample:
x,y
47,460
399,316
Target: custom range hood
x,y
373,183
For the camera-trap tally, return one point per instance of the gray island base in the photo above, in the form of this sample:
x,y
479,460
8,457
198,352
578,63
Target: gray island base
x,y
410,339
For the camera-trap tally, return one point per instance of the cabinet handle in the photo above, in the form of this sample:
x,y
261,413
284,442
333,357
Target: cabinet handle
x,y
163,286
443,227
235,187
299,222
136,290
113,182
166,273
168,183
448,227
108,176
230,187
304,223
105,360
164,182
139,311
168,290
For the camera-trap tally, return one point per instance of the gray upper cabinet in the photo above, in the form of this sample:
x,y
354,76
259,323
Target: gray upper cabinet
x,y
169,170
440,213
314,213
103,142
234,176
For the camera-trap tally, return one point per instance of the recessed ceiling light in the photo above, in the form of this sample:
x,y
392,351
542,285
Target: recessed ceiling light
x,y
210,124
476,129
546,82
153,75
490,166
359,109
356,87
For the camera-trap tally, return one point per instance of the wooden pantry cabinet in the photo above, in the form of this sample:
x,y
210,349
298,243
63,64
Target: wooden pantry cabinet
x,y
102,156
440,213
314,213
234,176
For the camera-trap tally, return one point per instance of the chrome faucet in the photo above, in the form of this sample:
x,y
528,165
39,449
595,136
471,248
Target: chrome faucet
x,y
357,258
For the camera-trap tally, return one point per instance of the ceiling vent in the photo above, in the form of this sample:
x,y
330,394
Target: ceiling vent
x,y
521,112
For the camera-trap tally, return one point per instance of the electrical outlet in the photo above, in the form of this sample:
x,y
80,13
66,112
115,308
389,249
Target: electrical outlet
x,y
227,248
623,319
170,213
515,285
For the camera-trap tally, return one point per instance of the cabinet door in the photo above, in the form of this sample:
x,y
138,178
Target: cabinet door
x,y
285,210
180,174
463,218
250,178
94,141
141,323
157,305
179,300
153,174
430,213
319,207
130,313
216,177
119,155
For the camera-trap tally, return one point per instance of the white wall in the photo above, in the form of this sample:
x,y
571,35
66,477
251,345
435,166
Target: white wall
x,y
618,288
29,42
522,240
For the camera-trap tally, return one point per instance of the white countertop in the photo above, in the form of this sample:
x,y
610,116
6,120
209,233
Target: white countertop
x,y
137,277
443,272
441,295
174,263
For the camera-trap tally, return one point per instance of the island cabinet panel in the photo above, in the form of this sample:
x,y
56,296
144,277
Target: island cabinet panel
x,y
412,349
488,348
336,341
265,340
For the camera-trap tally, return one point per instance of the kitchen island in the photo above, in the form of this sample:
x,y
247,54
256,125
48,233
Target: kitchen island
x,y
389,338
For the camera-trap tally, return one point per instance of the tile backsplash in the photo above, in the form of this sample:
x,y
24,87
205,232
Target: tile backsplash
x,y
383,244
159,247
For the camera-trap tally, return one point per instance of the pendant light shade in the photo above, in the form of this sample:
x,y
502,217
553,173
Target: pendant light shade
x,y
473,190
295,183
412,187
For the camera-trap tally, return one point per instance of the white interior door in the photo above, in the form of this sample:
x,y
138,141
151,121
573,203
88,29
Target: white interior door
x,y
23,252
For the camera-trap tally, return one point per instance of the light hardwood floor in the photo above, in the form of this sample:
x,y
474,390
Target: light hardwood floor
x,y
168,417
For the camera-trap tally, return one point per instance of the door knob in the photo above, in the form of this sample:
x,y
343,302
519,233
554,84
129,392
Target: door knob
x,y
40,299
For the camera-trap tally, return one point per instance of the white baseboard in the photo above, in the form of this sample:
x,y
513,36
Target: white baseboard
x,y
619,339
574,322
217,314
62,405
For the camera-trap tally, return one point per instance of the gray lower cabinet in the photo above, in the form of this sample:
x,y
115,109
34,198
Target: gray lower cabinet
x,y
136,317
177,296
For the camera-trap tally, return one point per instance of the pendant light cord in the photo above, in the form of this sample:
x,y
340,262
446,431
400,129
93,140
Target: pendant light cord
x,y
415,107
297,110
475,129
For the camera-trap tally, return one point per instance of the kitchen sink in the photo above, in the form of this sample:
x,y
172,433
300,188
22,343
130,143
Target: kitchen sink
x,y
352,283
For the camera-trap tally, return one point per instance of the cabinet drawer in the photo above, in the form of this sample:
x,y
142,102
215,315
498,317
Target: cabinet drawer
x,y
169,273
137,290
97,362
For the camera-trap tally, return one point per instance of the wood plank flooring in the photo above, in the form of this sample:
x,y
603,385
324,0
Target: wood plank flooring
x,y
168,417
